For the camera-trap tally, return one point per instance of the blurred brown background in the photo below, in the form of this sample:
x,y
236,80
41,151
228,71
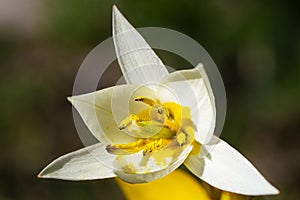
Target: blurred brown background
x,y
255,44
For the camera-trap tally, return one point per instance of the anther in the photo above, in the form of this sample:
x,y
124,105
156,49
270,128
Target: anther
x,y
145,100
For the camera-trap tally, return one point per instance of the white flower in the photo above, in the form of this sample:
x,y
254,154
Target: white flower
x,y
148,130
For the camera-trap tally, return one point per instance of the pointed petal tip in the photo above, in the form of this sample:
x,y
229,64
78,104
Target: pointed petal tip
x,y
230,171
269,192
137,60
39,175
274,191
69,99
200,65
42,174
115,12
114,9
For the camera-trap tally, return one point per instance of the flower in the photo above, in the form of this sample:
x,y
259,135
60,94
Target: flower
x,y
150,126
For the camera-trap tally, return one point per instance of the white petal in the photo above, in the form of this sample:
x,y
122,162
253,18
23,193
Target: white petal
x,y
197,80
137,60
205,78
83,164
195,73
186,74
97,109
205,114
102,111
193,89
225,168
140,169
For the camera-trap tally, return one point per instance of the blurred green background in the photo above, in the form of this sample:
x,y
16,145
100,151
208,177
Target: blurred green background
x,y
255,44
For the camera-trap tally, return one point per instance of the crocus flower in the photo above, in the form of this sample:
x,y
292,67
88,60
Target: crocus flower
x,y
150,126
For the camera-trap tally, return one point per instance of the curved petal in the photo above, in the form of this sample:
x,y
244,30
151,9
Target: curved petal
x,y
193,91
185,74
205,78
137,60
225,168
80,165
206,111
97,109
140,169
195,73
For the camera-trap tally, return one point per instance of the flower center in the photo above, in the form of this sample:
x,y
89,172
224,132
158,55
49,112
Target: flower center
x,y
158,126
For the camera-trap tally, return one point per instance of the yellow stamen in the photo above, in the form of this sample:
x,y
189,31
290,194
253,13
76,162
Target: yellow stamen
x,y
156,126
148,146
124,149
155,145
145,100
181,138
128,121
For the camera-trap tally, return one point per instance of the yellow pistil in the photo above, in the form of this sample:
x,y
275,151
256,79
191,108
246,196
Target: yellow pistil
x,y
156,127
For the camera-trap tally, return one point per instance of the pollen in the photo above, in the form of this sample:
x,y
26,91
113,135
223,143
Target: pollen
x,y
154,145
